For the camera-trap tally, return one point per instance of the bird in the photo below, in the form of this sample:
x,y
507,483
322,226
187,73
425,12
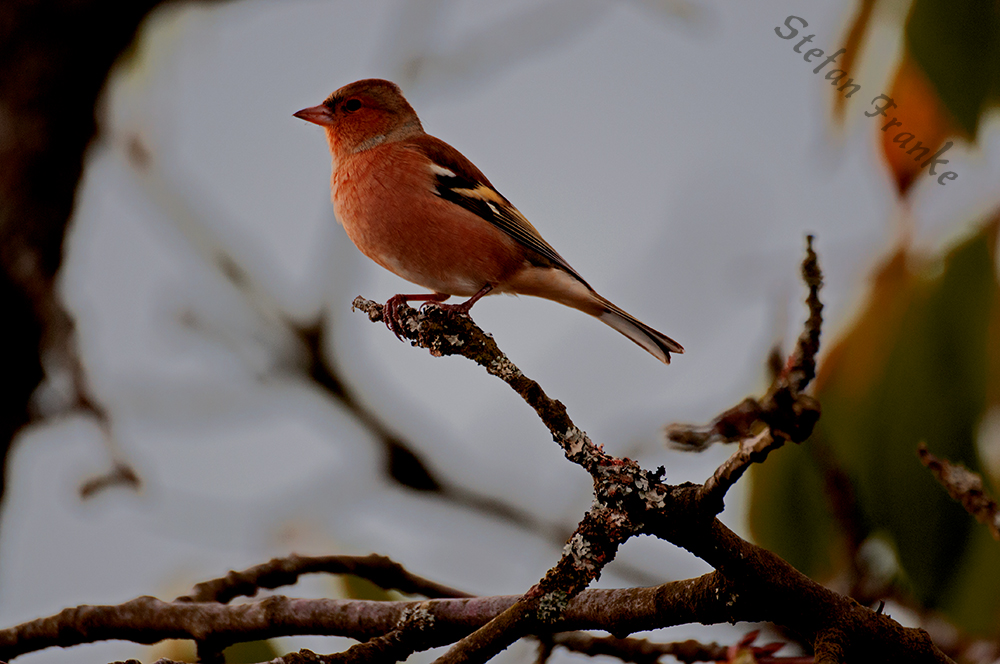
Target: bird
x,y
419,208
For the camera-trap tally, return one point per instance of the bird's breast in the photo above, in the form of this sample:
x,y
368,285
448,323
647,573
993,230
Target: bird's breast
x,y
385,199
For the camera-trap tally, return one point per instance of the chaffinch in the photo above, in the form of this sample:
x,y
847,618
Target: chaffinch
x,y
419,208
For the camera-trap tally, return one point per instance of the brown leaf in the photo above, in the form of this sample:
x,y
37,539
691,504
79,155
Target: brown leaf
x,y
923,119
852,44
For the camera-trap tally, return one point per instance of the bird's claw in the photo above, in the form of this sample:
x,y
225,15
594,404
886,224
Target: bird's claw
x,y
394,306
390,315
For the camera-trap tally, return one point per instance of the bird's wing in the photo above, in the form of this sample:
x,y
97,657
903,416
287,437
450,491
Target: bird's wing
x,y
458,181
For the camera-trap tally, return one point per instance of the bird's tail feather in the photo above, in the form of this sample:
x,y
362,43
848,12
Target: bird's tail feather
x,y
657,344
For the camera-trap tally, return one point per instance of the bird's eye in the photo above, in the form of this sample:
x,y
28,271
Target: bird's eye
x,y
352,105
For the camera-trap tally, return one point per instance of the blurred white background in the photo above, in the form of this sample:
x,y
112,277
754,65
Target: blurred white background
x,y
676,153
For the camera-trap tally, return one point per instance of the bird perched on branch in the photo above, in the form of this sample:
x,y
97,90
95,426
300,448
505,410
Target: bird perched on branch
x,y
419,208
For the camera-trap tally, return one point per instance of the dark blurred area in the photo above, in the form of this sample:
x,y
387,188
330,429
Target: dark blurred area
x,y
55,56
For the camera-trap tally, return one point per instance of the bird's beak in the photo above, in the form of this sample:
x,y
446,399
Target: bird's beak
x,y
320,115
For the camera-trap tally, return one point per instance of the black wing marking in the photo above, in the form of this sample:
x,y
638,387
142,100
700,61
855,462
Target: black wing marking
x,y
488,203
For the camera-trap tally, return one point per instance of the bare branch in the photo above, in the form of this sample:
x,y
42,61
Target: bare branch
x,y
783,595
630,500
149,620
639,651
829,647
48,50
783,414
966,487
413,633
748,584
382,571
623,491
784,409
751,449
443,333
120,475
803,366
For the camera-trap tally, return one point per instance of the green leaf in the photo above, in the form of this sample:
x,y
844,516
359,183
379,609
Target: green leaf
x,y
790,514
357,588
957,44
971,600
933,389
250,652
914,367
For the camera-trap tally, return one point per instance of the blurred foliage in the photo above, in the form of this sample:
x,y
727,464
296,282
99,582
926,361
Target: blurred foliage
x,y
852,44
923,117
957,45
947,79
921,363
250,652
354,587
917,365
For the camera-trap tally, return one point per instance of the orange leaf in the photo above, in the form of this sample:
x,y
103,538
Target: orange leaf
x,y
915,127
852,44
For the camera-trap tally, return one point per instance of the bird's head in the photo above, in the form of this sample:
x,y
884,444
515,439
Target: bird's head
x,y
362,115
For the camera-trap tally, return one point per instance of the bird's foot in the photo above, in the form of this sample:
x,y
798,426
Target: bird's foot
x,y
395,304
390,314
463,307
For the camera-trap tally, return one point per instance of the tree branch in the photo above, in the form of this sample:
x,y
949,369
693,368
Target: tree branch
x,y
380,570
748,584
783,414
445,334
639,651
149,620
788,598
619,485
55,58
964,486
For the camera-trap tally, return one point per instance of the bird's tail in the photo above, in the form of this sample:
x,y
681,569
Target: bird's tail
x,y
657,344
556,283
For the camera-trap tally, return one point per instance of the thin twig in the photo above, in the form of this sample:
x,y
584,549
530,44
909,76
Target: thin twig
x,y
966,487
639,651
785,393
443,333
120,475
727,474
783,414
383,572
623,490
748,584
